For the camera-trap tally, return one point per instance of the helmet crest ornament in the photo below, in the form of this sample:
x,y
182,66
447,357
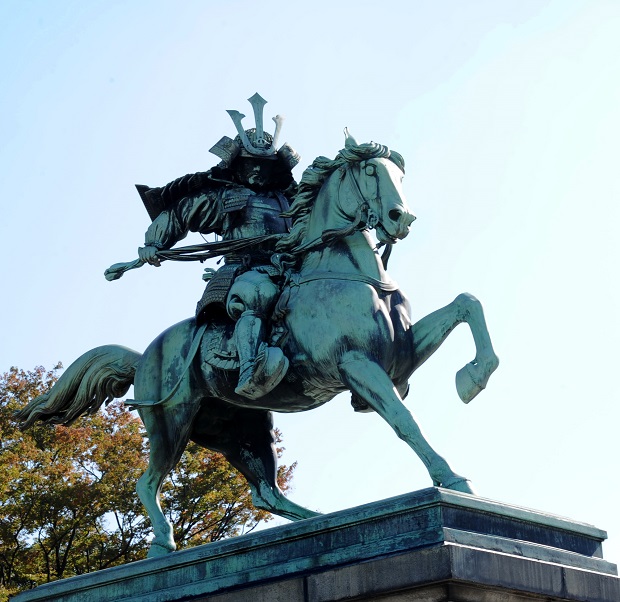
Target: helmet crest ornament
x,y
261,145
254,142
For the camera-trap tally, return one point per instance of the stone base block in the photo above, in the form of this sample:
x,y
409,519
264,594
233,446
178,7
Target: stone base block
x,y
432,545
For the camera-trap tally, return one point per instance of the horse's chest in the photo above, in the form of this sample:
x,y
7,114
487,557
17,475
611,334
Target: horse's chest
x,y
330,318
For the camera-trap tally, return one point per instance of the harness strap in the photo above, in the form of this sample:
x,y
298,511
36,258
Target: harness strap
x,y
364,216
133,403
384,287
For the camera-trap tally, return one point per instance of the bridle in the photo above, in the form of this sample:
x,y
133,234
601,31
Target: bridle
x,y
363,204
364,217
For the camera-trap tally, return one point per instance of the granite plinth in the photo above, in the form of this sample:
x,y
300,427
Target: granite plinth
x,y
432,545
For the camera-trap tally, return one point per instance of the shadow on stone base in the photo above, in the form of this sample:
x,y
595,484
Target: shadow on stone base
x,y
432,545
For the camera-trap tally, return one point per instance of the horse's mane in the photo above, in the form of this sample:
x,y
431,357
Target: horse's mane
x,y
315,176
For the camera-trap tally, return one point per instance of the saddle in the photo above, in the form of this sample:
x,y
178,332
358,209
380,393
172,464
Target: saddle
x,y
218,346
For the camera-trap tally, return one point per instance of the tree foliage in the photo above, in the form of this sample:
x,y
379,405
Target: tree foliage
x,y
67,500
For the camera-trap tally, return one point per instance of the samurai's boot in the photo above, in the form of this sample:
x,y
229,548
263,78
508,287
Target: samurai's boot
x,y
261,367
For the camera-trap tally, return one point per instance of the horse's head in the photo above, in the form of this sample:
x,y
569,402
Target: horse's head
x,y
379,183
360,188
377,175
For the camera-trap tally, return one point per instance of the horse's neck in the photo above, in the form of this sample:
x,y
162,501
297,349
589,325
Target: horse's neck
x,y
327,212
334,209
353,254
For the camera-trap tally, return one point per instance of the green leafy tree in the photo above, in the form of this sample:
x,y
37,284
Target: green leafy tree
x,y
67,494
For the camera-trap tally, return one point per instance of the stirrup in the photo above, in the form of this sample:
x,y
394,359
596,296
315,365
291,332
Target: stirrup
x,y
264,375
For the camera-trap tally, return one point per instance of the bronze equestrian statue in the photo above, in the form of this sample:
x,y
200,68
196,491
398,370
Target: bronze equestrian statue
x,y
296,316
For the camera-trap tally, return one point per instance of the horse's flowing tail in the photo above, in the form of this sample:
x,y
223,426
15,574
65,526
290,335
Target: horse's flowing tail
x,y
97,377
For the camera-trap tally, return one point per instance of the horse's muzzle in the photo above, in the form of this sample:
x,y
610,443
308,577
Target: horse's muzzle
x,y
398,224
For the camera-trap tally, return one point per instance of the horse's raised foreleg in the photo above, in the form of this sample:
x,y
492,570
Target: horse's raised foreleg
x,y
168,431
369,381
248,443
431,331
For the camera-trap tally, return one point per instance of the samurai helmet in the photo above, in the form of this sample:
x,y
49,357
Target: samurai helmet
x,y
254,142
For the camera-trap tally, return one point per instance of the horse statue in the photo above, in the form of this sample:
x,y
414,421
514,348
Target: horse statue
x,y
341,322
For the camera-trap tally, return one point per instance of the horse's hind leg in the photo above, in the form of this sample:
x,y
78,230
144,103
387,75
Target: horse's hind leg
x,y
369,381
168,430
247,441
431,331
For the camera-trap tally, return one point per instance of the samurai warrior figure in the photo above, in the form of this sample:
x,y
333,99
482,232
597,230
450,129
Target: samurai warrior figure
x,y
241,198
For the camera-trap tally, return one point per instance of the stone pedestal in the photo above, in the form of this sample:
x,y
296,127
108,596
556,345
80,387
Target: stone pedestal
x,y
432,545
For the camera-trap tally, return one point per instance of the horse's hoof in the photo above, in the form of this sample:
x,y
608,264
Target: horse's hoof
x,y
461,484
473,378
466,385
157,549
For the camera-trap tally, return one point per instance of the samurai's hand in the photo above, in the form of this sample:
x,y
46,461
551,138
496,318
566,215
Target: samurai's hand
x,y
148,254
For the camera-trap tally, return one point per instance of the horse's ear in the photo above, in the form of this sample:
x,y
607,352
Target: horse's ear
x,y
349,141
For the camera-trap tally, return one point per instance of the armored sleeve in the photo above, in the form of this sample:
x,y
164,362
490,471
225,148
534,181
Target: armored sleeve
x,y
198,213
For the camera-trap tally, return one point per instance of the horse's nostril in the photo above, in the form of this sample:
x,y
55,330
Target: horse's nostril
x,y
395,214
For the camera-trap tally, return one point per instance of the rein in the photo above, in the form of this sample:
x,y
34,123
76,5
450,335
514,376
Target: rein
x,y
363,217
379,285
199,252
330,236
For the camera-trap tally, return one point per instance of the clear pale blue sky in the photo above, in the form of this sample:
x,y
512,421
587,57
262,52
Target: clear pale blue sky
x,y
507,115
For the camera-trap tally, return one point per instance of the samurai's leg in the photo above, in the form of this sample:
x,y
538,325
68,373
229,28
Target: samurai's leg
x,y
249,302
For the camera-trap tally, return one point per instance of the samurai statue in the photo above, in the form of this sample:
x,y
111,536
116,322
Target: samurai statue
x,y
241,199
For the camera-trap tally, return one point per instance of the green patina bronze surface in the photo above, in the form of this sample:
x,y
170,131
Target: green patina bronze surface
x,y
302,309
432,544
